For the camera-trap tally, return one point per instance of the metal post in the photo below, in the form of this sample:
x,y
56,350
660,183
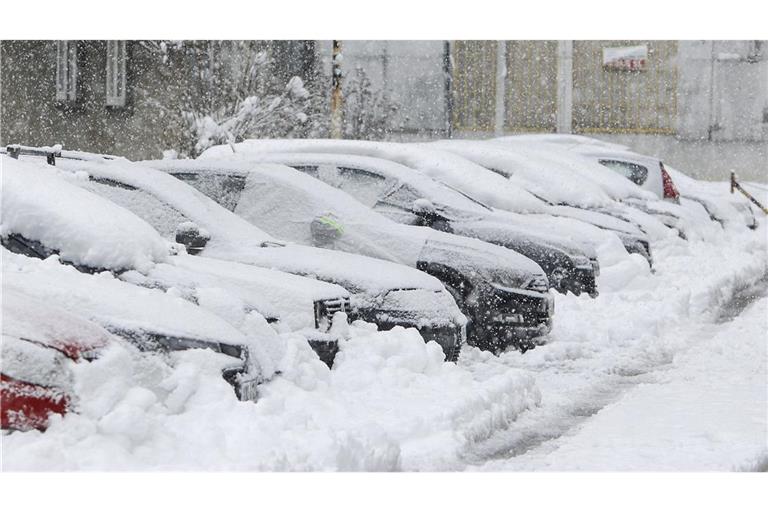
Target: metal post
x,y
501,82
337,100
447,73
564,86
736,186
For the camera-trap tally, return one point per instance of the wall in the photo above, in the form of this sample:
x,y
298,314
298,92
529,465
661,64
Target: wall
x,y
30,115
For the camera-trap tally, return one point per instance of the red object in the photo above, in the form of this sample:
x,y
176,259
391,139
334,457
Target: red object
x,y
670,190
24,406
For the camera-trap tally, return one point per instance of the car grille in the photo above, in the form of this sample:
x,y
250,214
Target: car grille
x,y
538,284
325,309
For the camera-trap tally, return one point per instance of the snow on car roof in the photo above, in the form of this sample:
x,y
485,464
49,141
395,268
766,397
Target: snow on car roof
x,y
434,190
354,272
564,139
551,166
194,205
40,205
626,154
289,297
318,198
537,175
113,303
44,323
484,185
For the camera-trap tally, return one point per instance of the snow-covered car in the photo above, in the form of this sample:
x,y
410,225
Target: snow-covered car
x,y
572,183
651,174
39,342
45,214
382,292
149,319
466,176
409,197
503,293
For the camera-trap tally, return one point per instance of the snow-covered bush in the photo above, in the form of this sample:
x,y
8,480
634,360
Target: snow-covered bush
x,y
369,112
232,93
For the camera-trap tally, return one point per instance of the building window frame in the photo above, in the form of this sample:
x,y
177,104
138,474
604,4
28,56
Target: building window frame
x,y
116,79
66,71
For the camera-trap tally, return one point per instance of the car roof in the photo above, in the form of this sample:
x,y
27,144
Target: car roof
x,y
40,204
484,185
44,323
112,303
224,226
434,190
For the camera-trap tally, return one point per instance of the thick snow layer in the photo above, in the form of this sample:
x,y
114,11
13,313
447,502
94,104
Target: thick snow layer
x,y
49,325
634,339
565,140
166,202
530,170
437,192
274,294
189,202
124,307
404,189
731,209
546,157
300,199
452,169
709,411
389,403
41,206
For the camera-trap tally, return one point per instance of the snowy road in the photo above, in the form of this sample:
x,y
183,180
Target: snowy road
x,y
607,415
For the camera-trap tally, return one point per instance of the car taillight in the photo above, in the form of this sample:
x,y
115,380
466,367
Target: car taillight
x,y
27,406
670,191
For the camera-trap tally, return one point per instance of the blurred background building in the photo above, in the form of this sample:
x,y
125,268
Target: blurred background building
x,y
703,105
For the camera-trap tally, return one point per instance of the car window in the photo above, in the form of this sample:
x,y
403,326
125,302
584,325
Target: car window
x,y
634,172
278,208
225,189
365,186
161,216
307,169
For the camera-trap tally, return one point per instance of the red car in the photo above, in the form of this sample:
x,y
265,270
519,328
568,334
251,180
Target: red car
x,y
40,343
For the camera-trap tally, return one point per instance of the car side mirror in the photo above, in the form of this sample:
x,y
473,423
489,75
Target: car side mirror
x,y
423,206
192,237
326,229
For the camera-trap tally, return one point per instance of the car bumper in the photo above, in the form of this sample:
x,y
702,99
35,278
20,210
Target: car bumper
x,y
520,320
450,337
580,280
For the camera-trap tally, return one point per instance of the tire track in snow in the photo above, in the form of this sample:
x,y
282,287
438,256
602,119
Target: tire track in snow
x,y
536,428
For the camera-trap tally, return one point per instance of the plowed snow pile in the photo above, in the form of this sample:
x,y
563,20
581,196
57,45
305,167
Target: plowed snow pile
x,y
390,402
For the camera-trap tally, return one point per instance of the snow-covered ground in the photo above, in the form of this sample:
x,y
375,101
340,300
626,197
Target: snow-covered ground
x,y
646,376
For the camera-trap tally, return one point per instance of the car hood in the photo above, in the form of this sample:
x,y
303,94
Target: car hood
x,y
274,294
358,274
475,258
422,308
502,229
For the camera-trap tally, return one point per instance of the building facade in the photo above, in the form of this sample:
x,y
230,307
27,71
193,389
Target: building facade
x,y
114,96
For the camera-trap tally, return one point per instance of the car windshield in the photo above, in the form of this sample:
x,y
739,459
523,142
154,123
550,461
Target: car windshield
x,y
636,173
451,203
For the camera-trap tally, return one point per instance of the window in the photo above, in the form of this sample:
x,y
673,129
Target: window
x,y
365,186
311,170
225,189
66,71
161,216
634,172
116,86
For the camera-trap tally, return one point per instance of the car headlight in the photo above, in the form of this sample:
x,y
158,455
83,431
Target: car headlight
x,y
581,261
